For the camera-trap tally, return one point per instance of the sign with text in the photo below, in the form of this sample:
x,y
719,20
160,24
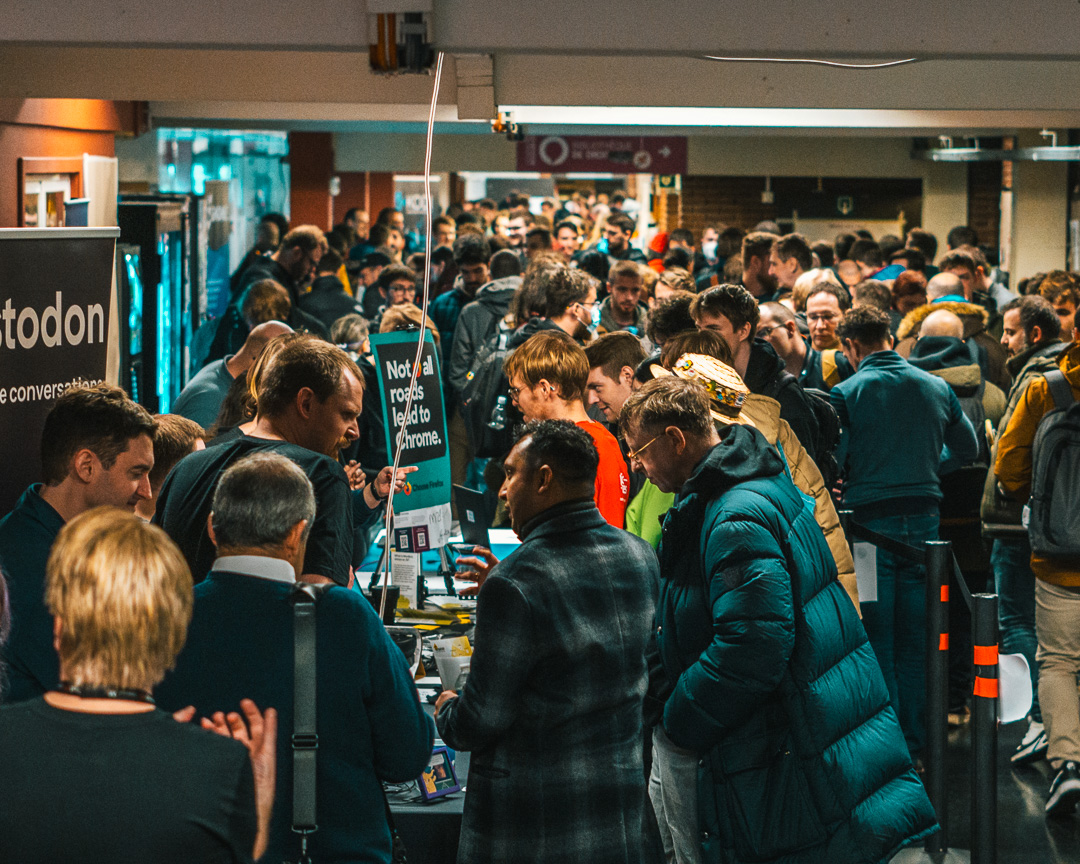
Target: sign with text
x,y
425,501
56,291
607,154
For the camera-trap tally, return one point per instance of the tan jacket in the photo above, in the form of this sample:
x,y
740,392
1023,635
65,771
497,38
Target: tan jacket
x,y
1013,463
764,413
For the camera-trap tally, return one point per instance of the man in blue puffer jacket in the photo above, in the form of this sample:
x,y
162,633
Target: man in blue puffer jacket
x,y
773,698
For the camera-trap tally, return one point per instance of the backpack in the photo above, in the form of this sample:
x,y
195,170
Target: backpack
x,y
1054,509
486,408
828,435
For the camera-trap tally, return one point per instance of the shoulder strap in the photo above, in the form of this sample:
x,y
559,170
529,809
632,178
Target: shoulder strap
x,y
828,368
1059,388
305,739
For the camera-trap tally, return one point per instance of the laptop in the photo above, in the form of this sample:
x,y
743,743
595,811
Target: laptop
x,y
471,516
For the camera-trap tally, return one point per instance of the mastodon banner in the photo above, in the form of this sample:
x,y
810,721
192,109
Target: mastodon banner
x,y
56,292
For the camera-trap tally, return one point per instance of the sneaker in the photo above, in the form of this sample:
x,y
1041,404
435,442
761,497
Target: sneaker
x,y
1064,791
1032,747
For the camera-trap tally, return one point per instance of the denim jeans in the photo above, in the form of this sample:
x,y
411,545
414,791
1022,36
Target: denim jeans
x,y
1015,583
673,791
896,621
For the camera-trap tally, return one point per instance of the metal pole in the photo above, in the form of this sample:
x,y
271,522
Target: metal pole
x,y
984,719
938,567
845,524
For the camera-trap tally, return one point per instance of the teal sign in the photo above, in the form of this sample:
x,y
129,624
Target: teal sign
x,y
426,498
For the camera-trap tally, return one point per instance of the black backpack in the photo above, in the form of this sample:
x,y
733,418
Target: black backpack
x,y
828,435
1054,508
486,408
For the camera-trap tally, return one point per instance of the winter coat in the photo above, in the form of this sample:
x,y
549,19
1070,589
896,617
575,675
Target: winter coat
x,y
775,684
764,413
1001,513
476,324
765,375
952,361
552,708
975,318
1013,463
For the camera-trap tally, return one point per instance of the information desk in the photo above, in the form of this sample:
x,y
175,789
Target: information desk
x,y
430,831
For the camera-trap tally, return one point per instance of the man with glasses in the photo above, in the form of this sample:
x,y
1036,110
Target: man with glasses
x,y
291,266
824,309
818,369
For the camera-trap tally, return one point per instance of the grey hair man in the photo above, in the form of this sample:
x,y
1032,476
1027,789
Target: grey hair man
x,y
370,723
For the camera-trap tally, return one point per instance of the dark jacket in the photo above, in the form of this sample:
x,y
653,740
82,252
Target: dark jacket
x,y
552,706
991,354
445,310
529,329
1001,513
26,536
327,301
775,684
957,364
476,324
895,421
231,330
370,722
765,375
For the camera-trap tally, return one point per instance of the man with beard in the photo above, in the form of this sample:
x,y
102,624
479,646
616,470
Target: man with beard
x,y
292,266
552,709
96,449
308,402
756,255
621,309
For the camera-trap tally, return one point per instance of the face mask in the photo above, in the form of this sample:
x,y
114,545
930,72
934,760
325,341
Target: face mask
x,y
594,319
708,248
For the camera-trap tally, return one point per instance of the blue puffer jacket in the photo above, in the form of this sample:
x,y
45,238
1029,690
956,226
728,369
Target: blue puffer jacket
x,y
777,688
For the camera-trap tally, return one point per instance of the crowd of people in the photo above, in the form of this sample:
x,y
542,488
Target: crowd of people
x,y
676,664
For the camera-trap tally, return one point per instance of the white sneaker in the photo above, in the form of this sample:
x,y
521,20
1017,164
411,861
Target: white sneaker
x,y
1033,745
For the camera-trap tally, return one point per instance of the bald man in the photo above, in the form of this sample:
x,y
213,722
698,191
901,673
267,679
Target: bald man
x,y
946,287
946,293
942,323
201,399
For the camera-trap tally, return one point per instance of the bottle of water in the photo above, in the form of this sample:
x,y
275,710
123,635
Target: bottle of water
x,y
498,415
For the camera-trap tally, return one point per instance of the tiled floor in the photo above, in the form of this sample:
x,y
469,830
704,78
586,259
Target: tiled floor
x,y
1025,835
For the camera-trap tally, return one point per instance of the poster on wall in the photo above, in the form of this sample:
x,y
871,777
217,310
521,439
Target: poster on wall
x,y
56,329
424,508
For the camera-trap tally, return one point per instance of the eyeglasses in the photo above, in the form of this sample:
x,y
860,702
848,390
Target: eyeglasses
x,y
822,316
762,332
514,391
634,454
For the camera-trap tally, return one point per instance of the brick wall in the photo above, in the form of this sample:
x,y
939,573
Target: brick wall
x,y
730,200
984,201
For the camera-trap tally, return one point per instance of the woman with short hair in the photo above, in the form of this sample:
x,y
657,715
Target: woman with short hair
x,y
93,771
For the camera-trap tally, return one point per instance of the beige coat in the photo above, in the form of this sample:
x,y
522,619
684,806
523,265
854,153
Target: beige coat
x,y
764,414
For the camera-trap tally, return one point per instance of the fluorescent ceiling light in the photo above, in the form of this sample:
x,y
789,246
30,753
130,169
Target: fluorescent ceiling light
x,y
803,118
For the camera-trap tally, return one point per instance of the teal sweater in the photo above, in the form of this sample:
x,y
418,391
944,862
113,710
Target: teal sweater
x,y
901,428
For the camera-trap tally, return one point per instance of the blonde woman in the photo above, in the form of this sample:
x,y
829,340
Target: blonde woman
x,y
93,771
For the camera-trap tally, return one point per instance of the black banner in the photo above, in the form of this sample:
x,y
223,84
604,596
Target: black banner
x,y
55,292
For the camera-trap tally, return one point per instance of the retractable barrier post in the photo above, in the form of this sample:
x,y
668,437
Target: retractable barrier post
x,y
938,567
984,719
845,523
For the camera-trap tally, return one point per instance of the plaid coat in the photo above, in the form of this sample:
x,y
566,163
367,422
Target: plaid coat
x,y
552,706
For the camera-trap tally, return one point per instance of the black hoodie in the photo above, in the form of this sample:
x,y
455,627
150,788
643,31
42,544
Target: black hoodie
x,y
765,376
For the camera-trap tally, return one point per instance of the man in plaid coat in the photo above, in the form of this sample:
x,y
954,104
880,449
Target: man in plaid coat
x,y
552,708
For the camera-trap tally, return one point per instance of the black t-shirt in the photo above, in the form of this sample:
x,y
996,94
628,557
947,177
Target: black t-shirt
x,y
115,788
186,499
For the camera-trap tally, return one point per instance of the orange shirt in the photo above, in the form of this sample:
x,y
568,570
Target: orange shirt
x,y
612,479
